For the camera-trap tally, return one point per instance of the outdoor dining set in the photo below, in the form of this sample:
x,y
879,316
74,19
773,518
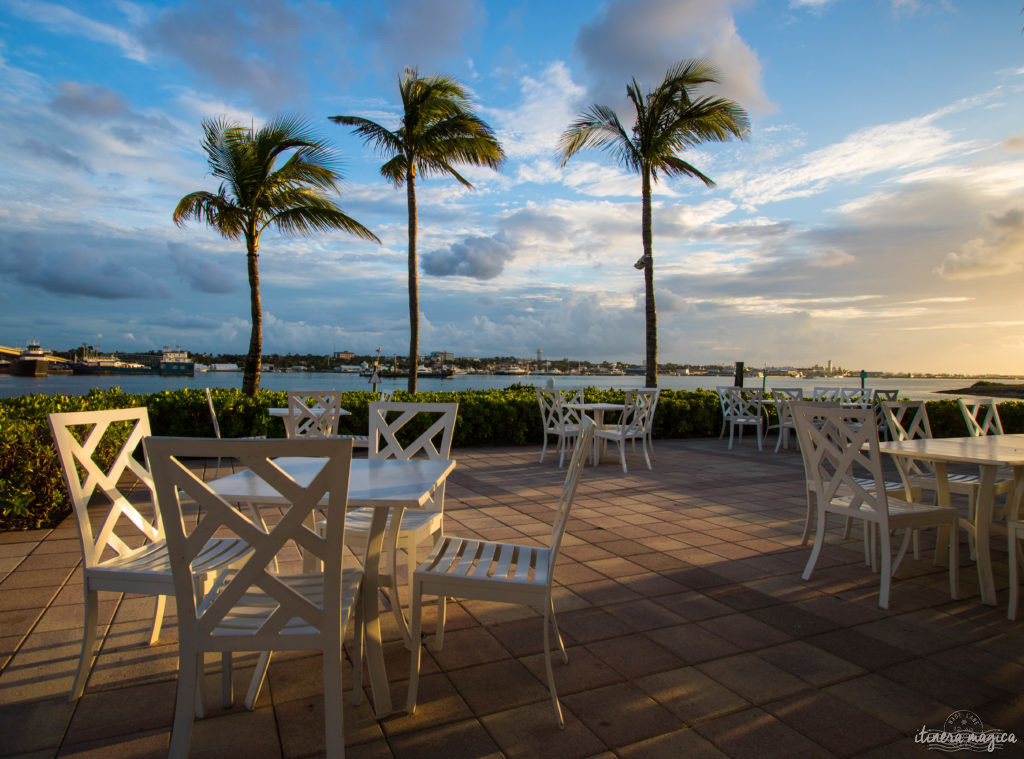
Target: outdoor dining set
x,y
302,539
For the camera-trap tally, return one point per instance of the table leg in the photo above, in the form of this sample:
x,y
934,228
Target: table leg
x,y
374,648
982,530
598,422
942,499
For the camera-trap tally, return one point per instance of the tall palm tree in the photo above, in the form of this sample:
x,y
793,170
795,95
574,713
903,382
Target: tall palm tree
x,y
278,175
669,119
438,131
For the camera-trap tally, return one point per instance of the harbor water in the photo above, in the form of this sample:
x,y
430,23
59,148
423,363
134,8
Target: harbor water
x,y
914,388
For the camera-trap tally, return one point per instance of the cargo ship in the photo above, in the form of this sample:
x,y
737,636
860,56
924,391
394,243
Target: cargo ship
x,y
33,362
172,363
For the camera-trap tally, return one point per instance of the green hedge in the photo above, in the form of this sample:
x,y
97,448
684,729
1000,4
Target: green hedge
x,y
33,494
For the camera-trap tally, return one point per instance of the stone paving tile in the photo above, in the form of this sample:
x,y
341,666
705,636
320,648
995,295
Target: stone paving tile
x,y
689,631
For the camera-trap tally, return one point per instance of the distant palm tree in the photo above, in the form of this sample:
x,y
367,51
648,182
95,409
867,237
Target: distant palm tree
x,y
277,175
438,131
668,120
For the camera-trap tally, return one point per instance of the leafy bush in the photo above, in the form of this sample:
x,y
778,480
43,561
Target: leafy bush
x,y
33,494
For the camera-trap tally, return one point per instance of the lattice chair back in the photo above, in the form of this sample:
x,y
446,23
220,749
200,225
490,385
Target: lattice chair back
x,y
825,394
747,403
385,395
549,401
388,419
855,395
254,609
648,396
633,421
572,480
841,456
81,436
982,417
569,418
312,413
878,396
908,420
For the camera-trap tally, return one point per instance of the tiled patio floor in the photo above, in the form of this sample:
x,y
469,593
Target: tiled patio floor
x,y
690,634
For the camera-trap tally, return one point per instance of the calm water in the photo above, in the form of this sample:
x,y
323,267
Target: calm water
x,y
916,389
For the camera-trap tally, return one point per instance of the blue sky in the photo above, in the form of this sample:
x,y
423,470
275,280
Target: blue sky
x,y
874,216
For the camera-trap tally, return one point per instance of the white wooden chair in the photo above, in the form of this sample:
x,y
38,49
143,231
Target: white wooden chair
x,y
124,551
312,413
843,450
363,441
825,394
252,609
632,425
558,419
1014,534
743,408
981,417
416,527
908,420
723,392
653,395
783,396
498,572
855,396
216,428
878,397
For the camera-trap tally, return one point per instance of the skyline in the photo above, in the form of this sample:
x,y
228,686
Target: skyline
x,y
873,216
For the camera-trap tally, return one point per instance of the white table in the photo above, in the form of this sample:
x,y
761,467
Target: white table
x,y
988,454
283,412
598,410
382,484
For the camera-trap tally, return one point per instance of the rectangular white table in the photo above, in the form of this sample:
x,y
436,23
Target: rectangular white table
x,y
381,484
283,412
988,454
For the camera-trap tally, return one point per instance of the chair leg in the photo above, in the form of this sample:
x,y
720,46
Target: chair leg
x,y
885,538
227,688
808,519
334,738
415,612
262,663
543,448
732,428
189,669
954,563
1011,608
558,635
396,603
819,538
439,633
88,644
550,672
622,455
357,649
158,619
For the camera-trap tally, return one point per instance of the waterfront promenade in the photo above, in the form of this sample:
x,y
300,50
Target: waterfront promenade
x,y
689,630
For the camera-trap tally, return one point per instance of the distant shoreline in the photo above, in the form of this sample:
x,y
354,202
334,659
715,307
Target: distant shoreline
x,y
993,389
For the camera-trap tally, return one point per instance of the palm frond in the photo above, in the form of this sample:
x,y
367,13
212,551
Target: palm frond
x,y
306,220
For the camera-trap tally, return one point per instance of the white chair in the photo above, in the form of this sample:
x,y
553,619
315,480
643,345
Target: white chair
x,y
894,489
499,572
252,609
783,396
416,527
825,394
981,417
557,418
632,424
743,408
723,392
878,397
855,396
363,441
216,428
312,413
838,453
124,551
908,420
653,394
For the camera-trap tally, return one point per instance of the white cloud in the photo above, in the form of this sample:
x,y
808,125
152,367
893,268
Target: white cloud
x,y
547,105
642,38
61,20
886,147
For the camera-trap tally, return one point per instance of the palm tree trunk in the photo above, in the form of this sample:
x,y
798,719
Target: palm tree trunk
x,y
251,377
414,288
650,310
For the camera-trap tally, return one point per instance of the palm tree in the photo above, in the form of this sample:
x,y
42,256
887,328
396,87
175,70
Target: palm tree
x,y
277,175
438,131
668,120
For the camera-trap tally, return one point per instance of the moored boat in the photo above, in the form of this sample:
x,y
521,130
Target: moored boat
x,y
33,362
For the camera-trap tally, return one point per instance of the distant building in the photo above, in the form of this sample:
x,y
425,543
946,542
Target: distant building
x,y
442,356
344,355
